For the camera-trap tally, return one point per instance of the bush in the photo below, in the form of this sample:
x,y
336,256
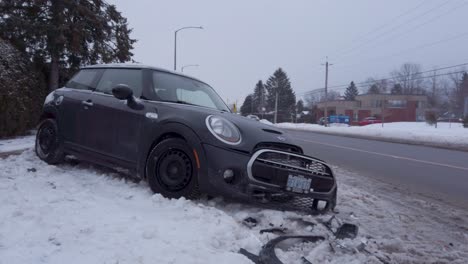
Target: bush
x,y
22,92
431,118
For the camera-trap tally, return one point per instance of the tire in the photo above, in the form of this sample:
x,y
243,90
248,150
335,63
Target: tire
x,y
49,147
171,170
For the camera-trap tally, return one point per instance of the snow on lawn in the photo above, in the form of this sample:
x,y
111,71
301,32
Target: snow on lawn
x,y
79,213
449,134
19,143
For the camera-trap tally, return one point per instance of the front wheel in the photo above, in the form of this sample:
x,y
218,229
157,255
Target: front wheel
x,y
171,170
48,144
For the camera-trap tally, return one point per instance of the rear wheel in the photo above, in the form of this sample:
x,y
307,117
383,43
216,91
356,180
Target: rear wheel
x,y
48,144
171,170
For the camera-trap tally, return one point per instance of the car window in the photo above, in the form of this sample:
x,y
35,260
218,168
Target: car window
x,y
179,89
113,77
83,80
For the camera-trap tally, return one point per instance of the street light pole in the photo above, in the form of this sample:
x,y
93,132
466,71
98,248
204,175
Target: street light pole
x,y
190,65
175,43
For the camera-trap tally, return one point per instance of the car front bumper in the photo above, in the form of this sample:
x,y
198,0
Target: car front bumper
x,y
262,177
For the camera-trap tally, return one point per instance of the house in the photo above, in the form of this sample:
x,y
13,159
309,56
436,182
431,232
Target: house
x,y
390,107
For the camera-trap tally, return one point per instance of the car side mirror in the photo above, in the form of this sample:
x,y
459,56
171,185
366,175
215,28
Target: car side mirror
x,y
122,92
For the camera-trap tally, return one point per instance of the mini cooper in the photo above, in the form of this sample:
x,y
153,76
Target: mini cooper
x,y
176,133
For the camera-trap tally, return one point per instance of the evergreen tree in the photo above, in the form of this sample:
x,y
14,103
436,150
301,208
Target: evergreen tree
x,y
374,89
65,34
279,84
259,97
351,92
300,106
397,89
247,106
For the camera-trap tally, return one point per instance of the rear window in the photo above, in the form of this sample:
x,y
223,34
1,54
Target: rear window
x,y
84,80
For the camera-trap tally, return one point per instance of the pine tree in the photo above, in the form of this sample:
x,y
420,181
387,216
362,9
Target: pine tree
x,y
62,35
374,89
300,106
279,84
351,92
247,106
259,97
397,89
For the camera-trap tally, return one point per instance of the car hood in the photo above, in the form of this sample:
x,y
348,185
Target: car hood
x,y
253,132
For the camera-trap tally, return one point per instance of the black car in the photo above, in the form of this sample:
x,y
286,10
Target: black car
x,y
176,133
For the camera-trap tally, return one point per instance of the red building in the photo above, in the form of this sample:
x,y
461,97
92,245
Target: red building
x,y
391,107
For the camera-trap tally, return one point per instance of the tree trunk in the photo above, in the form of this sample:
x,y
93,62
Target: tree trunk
x,y
54,73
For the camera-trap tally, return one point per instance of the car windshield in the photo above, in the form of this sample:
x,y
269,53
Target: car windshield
x,y
179,89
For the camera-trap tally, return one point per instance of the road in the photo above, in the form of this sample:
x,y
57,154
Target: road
x,y
432,172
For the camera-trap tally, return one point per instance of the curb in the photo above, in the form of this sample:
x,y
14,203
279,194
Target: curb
x,y
449,146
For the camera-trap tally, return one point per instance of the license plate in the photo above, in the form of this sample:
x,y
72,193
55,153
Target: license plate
x,y
299,184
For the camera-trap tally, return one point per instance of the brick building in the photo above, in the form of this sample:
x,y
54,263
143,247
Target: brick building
x,y
393,107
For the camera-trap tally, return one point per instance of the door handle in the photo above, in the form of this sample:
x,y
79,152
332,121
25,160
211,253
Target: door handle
x,y
87,103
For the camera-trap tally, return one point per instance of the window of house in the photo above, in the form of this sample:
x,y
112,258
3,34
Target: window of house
x,y
397,103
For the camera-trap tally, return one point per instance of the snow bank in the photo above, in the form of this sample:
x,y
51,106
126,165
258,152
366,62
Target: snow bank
x,y
78,213
448,135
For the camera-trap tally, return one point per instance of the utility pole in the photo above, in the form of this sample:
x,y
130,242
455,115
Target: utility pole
x,y
276,106
326,90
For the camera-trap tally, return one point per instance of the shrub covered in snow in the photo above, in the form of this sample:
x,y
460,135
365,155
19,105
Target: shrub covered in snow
x,y
22,92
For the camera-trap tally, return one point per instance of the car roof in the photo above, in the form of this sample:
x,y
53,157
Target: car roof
x,y
137,66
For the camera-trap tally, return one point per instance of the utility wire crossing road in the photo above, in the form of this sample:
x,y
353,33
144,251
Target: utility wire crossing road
x,y
433,172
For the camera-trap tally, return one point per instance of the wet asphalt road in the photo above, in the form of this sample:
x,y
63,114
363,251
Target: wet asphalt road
x,y
437,173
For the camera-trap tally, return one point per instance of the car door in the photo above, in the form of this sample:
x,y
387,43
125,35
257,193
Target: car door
x,y
74,108
117,125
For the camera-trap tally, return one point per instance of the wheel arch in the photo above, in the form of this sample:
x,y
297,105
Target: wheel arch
x,y
171,130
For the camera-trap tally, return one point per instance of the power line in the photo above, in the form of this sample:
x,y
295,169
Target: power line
x,y
388,23
343,86
408,50
384,34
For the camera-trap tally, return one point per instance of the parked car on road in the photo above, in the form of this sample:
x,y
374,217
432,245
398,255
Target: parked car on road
x,y
176,133
369,120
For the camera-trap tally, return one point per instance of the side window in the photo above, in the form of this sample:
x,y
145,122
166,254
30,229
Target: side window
x,y
83,80
113,77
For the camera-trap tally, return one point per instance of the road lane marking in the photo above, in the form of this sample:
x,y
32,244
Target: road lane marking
x,y
387,155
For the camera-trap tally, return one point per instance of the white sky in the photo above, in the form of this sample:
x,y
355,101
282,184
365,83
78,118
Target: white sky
x,y
245,41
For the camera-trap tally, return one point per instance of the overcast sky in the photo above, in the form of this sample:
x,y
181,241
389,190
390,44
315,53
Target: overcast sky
x,y
244,41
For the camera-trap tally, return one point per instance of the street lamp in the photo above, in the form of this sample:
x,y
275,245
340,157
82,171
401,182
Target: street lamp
x,y
186,66
175,43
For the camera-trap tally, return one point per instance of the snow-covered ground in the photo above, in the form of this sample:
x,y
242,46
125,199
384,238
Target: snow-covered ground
x,y
79,213
19,143
445,134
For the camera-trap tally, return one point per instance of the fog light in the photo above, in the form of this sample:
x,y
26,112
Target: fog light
x,y
228,175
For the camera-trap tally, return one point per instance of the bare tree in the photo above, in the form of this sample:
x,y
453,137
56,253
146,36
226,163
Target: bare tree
x,y
409,77
316,97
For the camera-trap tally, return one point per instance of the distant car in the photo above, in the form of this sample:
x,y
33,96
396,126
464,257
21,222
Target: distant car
x,y
254,117
369,120
322,121
176,133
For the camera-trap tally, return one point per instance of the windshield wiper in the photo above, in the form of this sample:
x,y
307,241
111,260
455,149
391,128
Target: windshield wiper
x,y
178,102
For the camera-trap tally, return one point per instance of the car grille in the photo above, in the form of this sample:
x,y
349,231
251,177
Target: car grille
x,y
273,167
278,146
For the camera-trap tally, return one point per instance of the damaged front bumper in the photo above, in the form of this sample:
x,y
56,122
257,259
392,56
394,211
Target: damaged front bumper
x,y
274,178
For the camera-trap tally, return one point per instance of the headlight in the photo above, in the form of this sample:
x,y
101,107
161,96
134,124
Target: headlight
x,y
223,130
50,97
